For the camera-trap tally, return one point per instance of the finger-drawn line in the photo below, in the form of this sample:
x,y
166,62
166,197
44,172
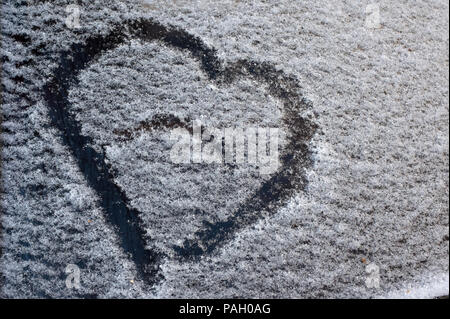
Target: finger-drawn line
x,y
127,220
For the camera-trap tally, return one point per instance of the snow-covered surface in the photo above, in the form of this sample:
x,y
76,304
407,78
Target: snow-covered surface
x,y
377,192
430,287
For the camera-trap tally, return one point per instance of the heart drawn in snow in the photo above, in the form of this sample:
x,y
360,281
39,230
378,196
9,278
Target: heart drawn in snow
x,y
160,209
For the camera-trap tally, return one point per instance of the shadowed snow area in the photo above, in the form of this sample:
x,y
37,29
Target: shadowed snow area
x,y
361,196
